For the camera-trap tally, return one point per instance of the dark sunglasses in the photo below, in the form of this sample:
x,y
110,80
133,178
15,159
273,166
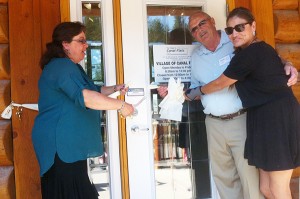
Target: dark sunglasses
x,y
201,23
238,28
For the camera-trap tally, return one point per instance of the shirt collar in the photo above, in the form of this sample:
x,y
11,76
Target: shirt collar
x,y
224,40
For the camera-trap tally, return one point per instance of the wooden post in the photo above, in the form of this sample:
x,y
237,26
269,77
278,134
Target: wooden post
x,y
263,13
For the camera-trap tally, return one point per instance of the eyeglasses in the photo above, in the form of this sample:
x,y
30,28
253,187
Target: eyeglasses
x,y
82,41
201,23
238,28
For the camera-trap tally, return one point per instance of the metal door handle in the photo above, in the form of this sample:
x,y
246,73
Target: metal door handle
x,y
136,129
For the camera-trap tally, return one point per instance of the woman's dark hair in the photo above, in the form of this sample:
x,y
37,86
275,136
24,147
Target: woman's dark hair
x,y
63,32
243,13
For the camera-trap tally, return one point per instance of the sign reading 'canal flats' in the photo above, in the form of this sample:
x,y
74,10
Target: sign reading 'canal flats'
x,y
172,61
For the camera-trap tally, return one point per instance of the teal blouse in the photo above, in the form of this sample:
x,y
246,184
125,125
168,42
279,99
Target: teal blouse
x,y
64,125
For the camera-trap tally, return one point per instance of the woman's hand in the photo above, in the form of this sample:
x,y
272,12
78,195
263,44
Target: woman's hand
x,y
126,110
292,71
122,88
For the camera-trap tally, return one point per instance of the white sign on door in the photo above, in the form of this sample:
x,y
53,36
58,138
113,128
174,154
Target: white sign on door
x,y
172,61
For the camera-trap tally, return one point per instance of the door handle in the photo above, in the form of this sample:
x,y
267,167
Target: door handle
x,y
136,129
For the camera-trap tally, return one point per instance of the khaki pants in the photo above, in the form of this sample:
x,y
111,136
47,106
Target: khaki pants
x,y
234,178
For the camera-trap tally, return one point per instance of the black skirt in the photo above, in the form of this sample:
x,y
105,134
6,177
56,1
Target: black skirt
x,y
68,181
273,135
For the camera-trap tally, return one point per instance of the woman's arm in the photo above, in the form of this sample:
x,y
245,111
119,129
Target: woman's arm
x,y
107,90
98,101
217,84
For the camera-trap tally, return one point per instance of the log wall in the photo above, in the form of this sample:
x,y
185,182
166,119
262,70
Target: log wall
x,y
7,175
287,33
35,20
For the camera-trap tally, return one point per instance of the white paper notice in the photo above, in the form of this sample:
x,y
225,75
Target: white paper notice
x,y
172,61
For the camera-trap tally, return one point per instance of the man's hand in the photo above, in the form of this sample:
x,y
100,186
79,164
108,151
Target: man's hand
x,y
162,91
292,71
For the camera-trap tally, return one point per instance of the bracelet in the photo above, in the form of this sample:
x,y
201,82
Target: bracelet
x,y
201,90
120,109
192,93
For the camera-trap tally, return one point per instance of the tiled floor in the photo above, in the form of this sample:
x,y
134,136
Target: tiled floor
x,y
100,179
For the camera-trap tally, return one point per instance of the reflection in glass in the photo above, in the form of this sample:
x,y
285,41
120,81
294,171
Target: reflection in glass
x,y
180,148
94,65
91,17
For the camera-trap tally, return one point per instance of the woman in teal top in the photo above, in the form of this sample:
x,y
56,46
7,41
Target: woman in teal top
x,y
67,129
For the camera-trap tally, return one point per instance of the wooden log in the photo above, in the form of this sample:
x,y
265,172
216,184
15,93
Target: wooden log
x,y
287,26
4,62
3,24
4,94
7,183
6,147
285,4
290,52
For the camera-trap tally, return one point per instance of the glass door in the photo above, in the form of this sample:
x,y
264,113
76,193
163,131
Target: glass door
x,y
180,148
166,158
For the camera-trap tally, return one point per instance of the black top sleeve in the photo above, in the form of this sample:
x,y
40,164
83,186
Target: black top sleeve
x,y
260,74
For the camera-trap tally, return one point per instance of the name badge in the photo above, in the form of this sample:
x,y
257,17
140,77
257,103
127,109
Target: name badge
x,y
224,60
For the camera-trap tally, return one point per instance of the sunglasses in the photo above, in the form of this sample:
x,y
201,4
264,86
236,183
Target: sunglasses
x,y
201,23
238,28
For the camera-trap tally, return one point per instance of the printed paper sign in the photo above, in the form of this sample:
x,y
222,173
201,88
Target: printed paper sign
x,y
172,61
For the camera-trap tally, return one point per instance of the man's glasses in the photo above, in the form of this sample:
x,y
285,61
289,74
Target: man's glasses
x,y
238,28
83,41
201,23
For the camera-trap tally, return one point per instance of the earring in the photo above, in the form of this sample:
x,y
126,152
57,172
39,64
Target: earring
x,y
253,33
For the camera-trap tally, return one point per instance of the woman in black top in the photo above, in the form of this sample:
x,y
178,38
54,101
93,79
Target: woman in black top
x,y
273,112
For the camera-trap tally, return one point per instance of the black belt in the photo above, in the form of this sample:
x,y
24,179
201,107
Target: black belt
x,y
228,116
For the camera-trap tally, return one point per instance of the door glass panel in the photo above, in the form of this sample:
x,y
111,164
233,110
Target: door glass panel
x,y
180,148
94,66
